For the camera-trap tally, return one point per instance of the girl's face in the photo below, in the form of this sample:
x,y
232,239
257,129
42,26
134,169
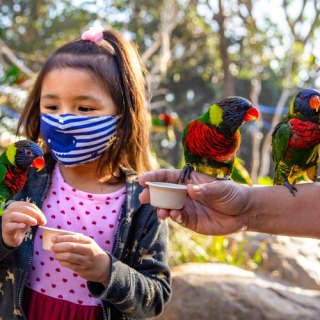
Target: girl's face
x,y
76,92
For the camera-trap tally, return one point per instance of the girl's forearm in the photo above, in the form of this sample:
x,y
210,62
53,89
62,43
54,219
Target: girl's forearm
x,y
274,210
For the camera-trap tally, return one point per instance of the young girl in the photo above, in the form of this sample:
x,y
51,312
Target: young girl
x,y
87,109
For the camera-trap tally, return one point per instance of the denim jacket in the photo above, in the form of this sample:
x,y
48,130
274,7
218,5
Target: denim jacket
x,y
139,284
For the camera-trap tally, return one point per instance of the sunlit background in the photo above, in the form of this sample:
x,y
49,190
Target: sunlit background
x,y
196,52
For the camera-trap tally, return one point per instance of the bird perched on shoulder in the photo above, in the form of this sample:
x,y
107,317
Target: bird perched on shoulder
x,y
211,141
14,164
296,139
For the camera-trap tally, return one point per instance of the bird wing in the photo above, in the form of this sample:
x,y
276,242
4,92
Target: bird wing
x,y
280,141
313,160
240,173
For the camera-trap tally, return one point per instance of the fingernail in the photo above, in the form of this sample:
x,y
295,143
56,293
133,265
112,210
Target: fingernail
x,y
196,188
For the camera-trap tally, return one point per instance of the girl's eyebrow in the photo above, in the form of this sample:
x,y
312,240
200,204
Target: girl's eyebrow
x,y
53,96
87,98
49,96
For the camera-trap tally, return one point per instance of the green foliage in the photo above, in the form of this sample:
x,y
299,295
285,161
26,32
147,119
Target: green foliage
x,y
188,246
33,29
195,76
12,76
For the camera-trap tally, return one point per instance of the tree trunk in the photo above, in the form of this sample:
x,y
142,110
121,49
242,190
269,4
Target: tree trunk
x,y
256,134
228,83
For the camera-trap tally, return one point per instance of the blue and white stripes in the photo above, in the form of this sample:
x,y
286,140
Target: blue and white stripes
x,y
75,140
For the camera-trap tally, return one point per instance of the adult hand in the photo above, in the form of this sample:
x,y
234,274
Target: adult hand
x,y
213,207
82,255
16,220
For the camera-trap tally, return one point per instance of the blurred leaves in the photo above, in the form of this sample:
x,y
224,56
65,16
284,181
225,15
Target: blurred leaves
x,y
33,29
13,76
188,246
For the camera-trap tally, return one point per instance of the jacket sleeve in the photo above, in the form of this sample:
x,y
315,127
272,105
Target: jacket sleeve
x,y
141,290
4,250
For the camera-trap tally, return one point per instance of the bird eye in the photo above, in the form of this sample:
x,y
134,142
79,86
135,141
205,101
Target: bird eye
x,y
236,108
28,153
301,96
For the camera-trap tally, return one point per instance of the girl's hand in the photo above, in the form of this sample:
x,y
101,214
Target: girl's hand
x,y
16,220
82,255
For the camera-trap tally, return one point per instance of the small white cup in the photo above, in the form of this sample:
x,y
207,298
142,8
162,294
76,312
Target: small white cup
x,y
49,233
167,195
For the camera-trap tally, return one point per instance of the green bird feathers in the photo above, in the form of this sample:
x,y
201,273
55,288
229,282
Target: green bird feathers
x,y
239,172
295,141
211,141
14,164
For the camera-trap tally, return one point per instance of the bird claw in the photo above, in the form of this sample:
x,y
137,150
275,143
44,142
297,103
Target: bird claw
x,y
226,178
186,172
291,187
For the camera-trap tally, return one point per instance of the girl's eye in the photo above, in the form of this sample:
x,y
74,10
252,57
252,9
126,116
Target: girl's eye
x,y
51,107
85,109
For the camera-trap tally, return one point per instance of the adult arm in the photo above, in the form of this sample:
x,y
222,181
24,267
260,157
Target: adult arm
x,y
223,207
274,210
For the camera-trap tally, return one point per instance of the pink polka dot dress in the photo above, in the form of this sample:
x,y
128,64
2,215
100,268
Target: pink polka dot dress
x,y
94,215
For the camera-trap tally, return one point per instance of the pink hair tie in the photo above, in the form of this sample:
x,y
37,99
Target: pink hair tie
x,y
96,36
93,35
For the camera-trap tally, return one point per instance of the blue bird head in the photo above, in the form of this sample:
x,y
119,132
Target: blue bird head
x,y
236,110
28,154
307,104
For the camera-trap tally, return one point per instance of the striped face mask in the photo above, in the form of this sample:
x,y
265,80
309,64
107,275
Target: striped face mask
x,y
75,140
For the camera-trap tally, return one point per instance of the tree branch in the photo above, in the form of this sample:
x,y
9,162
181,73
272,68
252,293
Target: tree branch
x,y
314,23
12,57
300,16
168,21
291,25
151,50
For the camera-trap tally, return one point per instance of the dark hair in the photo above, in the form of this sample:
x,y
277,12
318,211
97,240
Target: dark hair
x,y
122,74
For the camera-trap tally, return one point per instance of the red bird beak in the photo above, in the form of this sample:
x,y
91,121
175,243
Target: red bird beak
x,y
252,114
314,103
38,163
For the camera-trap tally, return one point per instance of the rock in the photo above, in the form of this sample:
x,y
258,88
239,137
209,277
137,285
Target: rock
x,y
294,260
223,292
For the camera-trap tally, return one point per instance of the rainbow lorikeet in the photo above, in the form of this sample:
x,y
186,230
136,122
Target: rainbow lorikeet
x,y
14,164
296,139
211,141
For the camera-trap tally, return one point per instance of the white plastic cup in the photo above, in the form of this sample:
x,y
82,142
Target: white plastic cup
x,y
49,233
167,195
